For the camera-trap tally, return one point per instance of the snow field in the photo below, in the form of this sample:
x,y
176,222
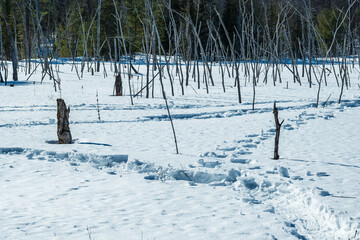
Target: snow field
x,y
122,179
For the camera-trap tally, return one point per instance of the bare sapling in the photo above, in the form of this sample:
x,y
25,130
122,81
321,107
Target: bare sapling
x,y
97,105
63,129
319,81
237,78
127,53
277,136
161,81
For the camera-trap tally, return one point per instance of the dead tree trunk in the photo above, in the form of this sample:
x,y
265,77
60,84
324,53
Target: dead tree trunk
x,y
14,53
277,136
63,129
98,39
118,85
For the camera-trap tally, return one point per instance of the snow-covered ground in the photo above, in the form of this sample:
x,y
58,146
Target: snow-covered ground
x,y
122,179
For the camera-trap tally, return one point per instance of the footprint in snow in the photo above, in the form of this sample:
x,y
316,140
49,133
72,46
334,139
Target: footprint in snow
x,y
242,152
322,174
244,141
300,122
283,172
288,127
297,178
249,183
270,209
239,160
294,231
251,201
151,177
249,146
254,168
252,135
321,192
271,130
213,154
329,116
217,184
227,149
264,137
202,163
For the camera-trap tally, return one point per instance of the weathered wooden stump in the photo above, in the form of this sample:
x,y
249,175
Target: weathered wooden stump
x,y
118,85
63,129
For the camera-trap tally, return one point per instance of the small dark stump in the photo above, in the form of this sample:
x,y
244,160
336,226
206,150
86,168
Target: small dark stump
x,y
118,85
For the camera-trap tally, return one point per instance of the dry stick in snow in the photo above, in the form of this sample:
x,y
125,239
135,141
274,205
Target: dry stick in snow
x,y
277,136
335,74
104,67
142,89
343,76
319,81
97,105
335,196
168,110
33,71
327,100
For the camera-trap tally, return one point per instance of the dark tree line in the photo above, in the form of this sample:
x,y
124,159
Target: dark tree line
x,y
62,23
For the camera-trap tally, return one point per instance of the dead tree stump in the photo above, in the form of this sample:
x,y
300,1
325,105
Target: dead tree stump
x,y
118,85
63,129
277,136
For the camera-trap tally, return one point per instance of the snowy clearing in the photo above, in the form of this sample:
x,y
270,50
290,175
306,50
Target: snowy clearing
x,y
121,179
